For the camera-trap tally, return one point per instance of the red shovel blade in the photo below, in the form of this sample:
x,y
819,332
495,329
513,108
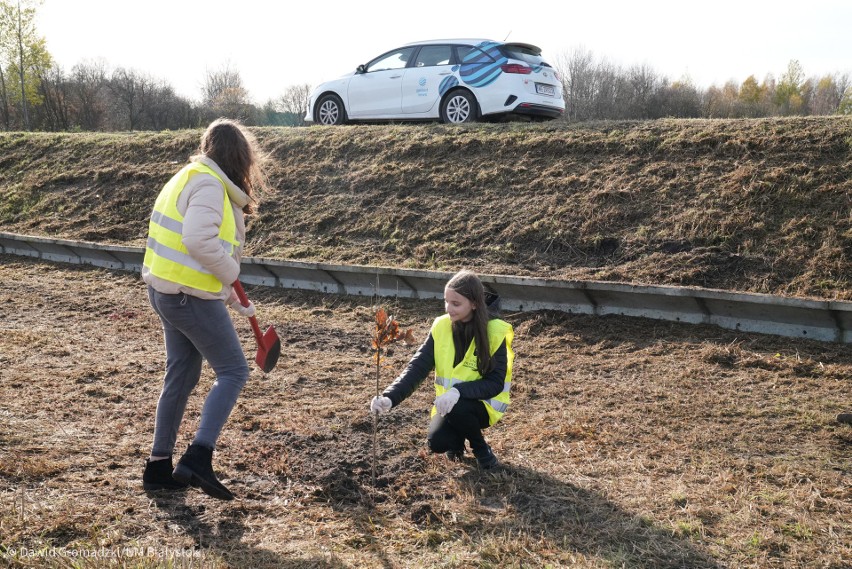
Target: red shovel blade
x,y
268,344
268,350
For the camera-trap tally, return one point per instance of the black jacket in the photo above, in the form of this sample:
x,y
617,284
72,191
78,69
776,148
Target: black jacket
x,y
423,363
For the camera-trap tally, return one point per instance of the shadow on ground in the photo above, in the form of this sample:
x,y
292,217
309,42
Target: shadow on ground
x,y
222,535
579,520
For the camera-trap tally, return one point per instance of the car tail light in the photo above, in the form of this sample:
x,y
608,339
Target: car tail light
x,y
516,68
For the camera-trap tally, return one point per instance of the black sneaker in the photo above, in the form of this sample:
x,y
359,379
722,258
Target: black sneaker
x,y
486,459
455,455
158,476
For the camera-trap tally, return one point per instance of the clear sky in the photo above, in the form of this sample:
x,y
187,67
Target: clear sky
x,y
276,43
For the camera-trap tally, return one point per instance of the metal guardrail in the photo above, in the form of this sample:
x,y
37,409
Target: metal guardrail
x,y
826,320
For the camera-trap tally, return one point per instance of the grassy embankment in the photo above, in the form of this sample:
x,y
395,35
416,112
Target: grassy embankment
x,y
749,205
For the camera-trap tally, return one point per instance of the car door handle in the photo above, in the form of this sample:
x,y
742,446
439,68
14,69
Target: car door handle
x,y
446,73
395,76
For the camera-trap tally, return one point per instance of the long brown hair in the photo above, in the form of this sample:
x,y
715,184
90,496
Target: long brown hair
x,y
235,150
467,284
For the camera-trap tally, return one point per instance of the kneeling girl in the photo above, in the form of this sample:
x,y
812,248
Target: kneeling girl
x,y
470,350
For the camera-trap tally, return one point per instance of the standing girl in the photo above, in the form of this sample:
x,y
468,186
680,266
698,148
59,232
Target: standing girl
x,y
470,350
195,240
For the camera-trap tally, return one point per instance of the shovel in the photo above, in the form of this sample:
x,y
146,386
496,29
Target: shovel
x,y
268,343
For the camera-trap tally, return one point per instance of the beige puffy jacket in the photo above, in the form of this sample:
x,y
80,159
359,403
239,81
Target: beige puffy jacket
x,y
200,203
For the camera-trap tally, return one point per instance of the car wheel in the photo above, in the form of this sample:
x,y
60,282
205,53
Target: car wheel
x,y
329,111
458,107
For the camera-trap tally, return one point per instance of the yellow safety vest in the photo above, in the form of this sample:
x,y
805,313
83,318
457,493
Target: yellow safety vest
x,y
165,255
447,375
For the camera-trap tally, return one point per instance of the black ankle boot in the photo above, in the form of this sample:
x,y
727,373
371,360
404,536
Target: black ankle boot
x,y
485,458
158,476
195,468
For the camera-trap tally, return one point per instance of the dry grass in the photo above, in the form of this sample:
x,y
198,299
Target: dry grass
x,y
750,205
630,443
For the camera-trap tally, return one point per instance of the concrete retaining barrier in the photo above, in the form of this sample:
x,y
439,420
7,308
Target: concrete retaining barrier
x,y
826,320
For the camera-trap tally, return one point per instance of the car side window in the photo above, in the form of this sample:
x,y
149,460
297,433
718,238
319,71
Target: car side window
x,y
431,55
393,60
471,54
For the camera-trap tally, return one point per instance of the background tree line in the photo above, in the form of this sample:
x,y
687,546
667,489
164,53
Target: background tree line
x,y
38,94
597,89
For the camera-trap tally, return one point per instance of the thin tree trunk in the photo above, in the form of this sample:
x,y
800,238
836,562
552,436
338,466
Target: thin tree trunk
x,y
4,98
376,415
24,110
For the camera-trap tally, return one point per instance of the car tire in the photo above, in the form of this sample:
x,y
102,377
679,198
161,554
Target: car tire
x,y
329,111
459,107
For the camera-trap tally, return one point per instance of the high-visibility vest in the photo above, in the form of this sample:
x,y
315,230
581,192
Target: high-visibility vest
x,y
447,374
165,255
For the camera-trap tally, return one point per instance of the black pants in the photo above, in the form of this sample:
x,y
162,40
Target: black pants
x,y
466,421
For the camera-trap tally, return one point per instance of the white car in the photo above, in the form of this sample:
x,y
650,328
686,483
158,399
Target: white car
x,y
456,81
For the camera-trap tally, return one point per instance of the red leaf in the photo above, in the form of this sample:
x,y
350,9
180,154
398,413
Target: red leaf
x,y
381,318
408,338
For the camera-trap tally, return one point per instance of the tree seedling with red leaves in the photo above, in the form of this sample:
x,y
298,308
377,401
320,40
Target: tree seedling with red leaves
x,y
386,333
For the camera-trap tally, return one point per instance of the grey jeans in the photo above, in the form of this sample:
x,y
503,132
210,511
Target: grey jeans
x,y
195,330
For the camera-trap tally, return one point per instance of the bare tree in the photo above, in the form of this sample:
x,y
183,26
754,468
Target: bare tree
x,y
88,88
167,110
132,92
294,103
680,99
644,84
722,103
224,94
844,87
608,86
845,107
767,89
828,93
54,88
602,90
577,75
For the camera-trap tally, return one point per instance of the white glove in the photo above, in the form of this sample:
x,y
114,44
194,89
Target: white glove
x,y
247,311
380,404
445,403
235,305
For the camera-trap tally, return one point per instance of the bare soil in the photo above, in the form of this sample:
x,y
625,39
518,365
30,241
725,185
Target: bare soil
x,y
629,443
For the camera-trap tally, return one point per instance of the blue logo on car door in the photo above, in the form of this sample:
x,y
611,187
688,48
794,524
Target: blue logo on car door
x,y
422,89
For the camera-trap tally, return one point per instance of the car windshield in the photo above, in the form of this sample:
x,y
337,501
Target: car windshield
x,y
525,55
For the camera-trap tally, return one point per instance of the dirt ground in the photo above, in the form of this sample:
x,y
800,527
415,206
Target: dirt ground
x,y
629,443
